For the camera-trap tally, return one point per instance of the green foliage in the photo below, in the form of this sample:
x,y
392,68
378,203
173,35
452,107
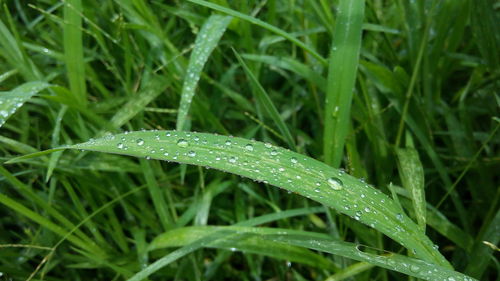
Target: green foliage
x,y
389,111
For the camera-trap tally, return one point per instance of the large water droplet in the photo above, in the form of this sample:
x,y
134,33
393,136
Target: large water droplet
x,y
120,145
399,217
249,147
191,153
414,268
232,159
140,142
335,183
293,160
274,152
182,143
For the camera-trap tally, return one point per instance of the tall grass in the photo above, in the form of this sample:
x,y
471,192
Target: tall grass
x,y
376,121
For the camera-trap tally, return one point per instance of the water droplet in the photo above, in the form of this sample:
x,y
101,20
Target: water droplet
x,y
182,143
120,145
367,209
451,279
249,147
148,157
140,142
191,153
293,160
274,152
228,142
399,217
233,249
335,183
268,145
414,268
317,190
232,159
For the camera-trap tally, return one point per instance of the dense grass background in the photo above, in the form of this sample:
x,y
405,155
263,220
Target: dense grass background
x,y
424,113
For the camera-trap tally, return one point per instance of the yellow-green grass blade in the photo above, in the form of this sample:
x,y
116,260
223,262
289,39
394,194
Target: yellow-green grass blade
x,y
250,244
276,166
12,100
342,70
206,41
73,49
262,24
248,239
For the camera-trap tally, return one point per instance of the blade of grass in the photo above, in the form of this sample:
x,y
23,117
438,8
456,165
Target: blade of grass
x,y
343,65
73,49
279,167
262,24
206,41
412,177
250,244
266,102
14,99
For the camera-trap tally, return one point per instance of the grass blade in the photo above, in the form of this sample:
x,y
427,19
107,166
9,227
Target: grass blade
x,y
342,70
262,24
249,244
279,167
412,176
11,101
266,102
245,237
73,50
205,43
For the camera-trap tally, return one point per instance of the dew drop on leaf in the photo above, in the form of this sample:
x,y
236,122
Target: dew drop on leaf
x,y
191,153
120,145
182,143
335,183
249,147
140,142
293,160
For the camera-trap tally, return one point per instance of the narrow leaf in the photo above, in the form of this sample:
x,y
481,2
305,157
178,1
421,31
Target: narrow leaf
x,y
342,71
11,101
279,167
205,43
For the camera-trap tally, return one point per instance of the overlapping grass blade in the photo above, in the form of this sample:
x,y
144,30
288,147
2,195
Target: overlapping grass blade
x,y
206,41
250,244
262,24
412,176
12,100
342,70
250,239
279,167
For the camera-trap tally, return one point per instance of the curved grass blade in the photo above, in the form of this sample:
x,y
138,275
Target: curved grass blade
x,y
246,243
247,239
12,100
262,24
341,77
205,43
279,167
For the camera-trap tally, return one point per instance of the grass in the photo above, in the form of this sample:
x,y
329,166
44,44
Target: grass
x,y
377,121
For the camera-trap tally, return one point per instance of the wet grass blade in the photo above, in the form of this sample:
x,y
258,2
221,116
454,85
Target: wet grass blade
x,y
279,167
262,24
12,100
342,70
249,238
206,41
412,176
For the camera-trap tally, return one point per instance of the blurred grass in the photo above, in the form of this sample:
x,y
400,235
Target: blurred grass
x,y
428,71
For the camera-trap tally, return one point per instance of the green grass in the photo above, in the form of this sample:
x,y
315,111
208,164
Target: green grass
x,y
338,140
